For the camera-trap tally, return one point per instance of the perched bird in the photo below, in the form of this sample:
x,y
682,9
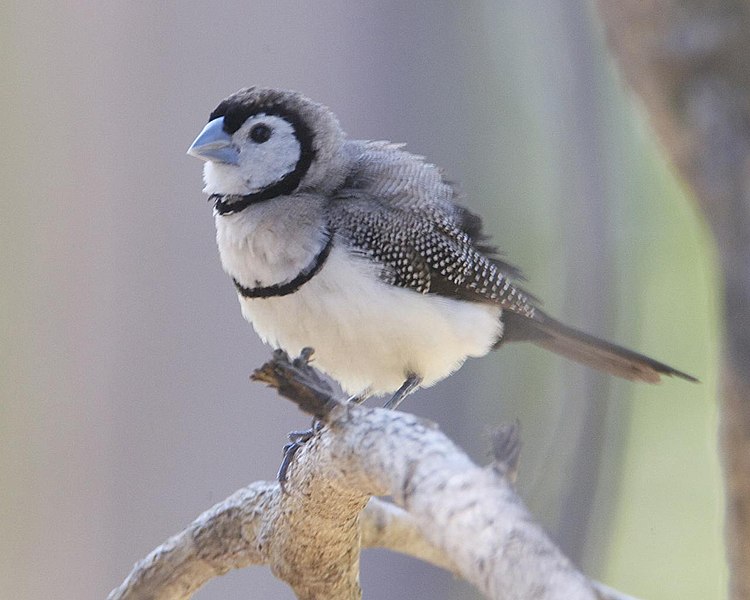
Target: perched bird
x,y
359,250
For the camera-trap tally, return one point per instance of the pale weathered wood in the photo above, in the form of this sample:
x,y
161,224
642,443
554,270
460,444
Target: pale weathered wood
x,y
450,512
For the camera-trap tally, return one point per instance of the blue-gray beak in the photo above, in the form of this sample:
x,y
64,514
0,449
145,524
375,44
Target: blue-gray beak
x,y
215,144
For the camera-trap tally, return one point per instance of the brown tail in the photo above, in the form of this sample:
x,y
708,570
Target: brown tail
x,y
581,347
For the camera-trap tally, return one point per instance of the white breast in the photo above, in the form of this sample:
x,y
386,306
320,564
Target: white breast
x,y
368,335
270,242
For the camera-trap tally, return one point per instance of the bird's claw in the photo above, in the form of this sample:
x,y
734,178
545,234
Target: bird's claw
x,y
296,440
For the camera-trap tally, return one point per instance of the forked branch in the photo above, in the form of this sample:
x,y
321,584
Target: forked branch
x,y
448,511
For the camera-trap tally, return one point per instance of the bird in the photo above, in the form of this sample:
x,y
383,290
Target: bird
x,y
364,252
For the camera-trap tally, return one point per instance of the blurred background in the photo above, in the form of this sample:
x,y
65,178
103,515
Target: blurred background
x,y
125,405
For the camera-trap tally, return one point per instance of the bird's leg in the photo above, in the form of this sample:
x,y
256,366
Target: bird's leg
x,y
411,384
289,451
296,440
305,434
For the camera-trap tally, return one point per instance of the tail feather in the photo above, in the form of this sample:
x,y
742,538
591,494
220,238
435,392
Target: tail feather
x,y
549,333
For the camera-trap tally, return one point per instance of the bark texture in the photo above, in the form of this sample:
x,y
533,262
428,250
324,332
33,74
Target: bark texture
x,y
447,511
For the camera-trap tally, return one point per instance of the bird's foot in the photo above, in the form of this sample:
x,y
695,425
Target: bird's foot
x,y
296,440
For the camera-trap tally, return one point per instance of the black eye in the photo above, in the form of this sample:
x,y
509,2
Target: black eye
x,y
260,133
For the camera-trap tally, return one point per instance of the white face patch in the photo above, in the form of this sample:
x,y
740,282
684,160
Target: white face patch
x,y
269,150
266,155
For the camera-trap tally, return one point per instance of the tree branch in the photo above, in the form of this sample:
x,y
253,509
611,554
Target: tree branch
x,y
450,512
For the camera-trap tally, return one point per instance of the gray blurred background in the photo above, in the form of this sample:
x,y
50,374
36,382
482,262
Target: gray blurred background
x,y
125,405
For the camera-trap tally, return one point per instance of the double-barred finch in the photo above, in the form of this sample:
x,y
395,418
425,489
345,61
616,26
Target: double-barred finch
x,y
358,249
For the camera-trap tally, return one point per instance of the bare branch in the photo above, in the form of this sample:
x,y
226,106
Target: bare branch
x,y
452,513
222,538
385,525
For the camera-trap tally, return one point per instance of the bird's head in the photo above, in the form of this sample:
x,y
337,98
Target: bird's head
x,y
261,143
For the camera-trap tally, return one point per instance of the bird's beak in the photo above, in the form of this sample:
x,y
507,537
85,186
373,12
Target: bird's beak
x,y
215,144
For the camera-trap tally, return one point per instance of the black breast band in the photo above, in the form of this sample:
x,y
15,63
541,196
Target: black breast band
x,y
284,289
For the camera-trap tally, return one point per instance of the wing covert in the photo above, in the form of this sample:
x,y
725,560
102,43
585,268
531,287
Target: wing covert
x,y
425,251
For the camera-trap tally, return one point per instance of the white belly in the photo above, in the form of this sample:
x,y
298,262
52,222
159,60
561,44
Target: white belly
x,y
368,335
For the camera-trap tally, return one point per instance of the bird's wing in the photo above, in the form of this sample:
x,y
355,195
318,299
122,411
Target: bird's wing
x,y
398,178
425,250
404,181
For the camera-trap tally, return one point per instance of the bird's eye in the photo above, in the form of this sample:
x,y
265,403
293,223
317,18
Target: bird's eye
x,y
260,133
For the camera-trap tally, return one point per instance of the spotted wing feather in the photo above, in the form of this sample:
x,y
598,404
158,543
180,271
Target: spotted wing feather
x,y
425,251
402,180
401,211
